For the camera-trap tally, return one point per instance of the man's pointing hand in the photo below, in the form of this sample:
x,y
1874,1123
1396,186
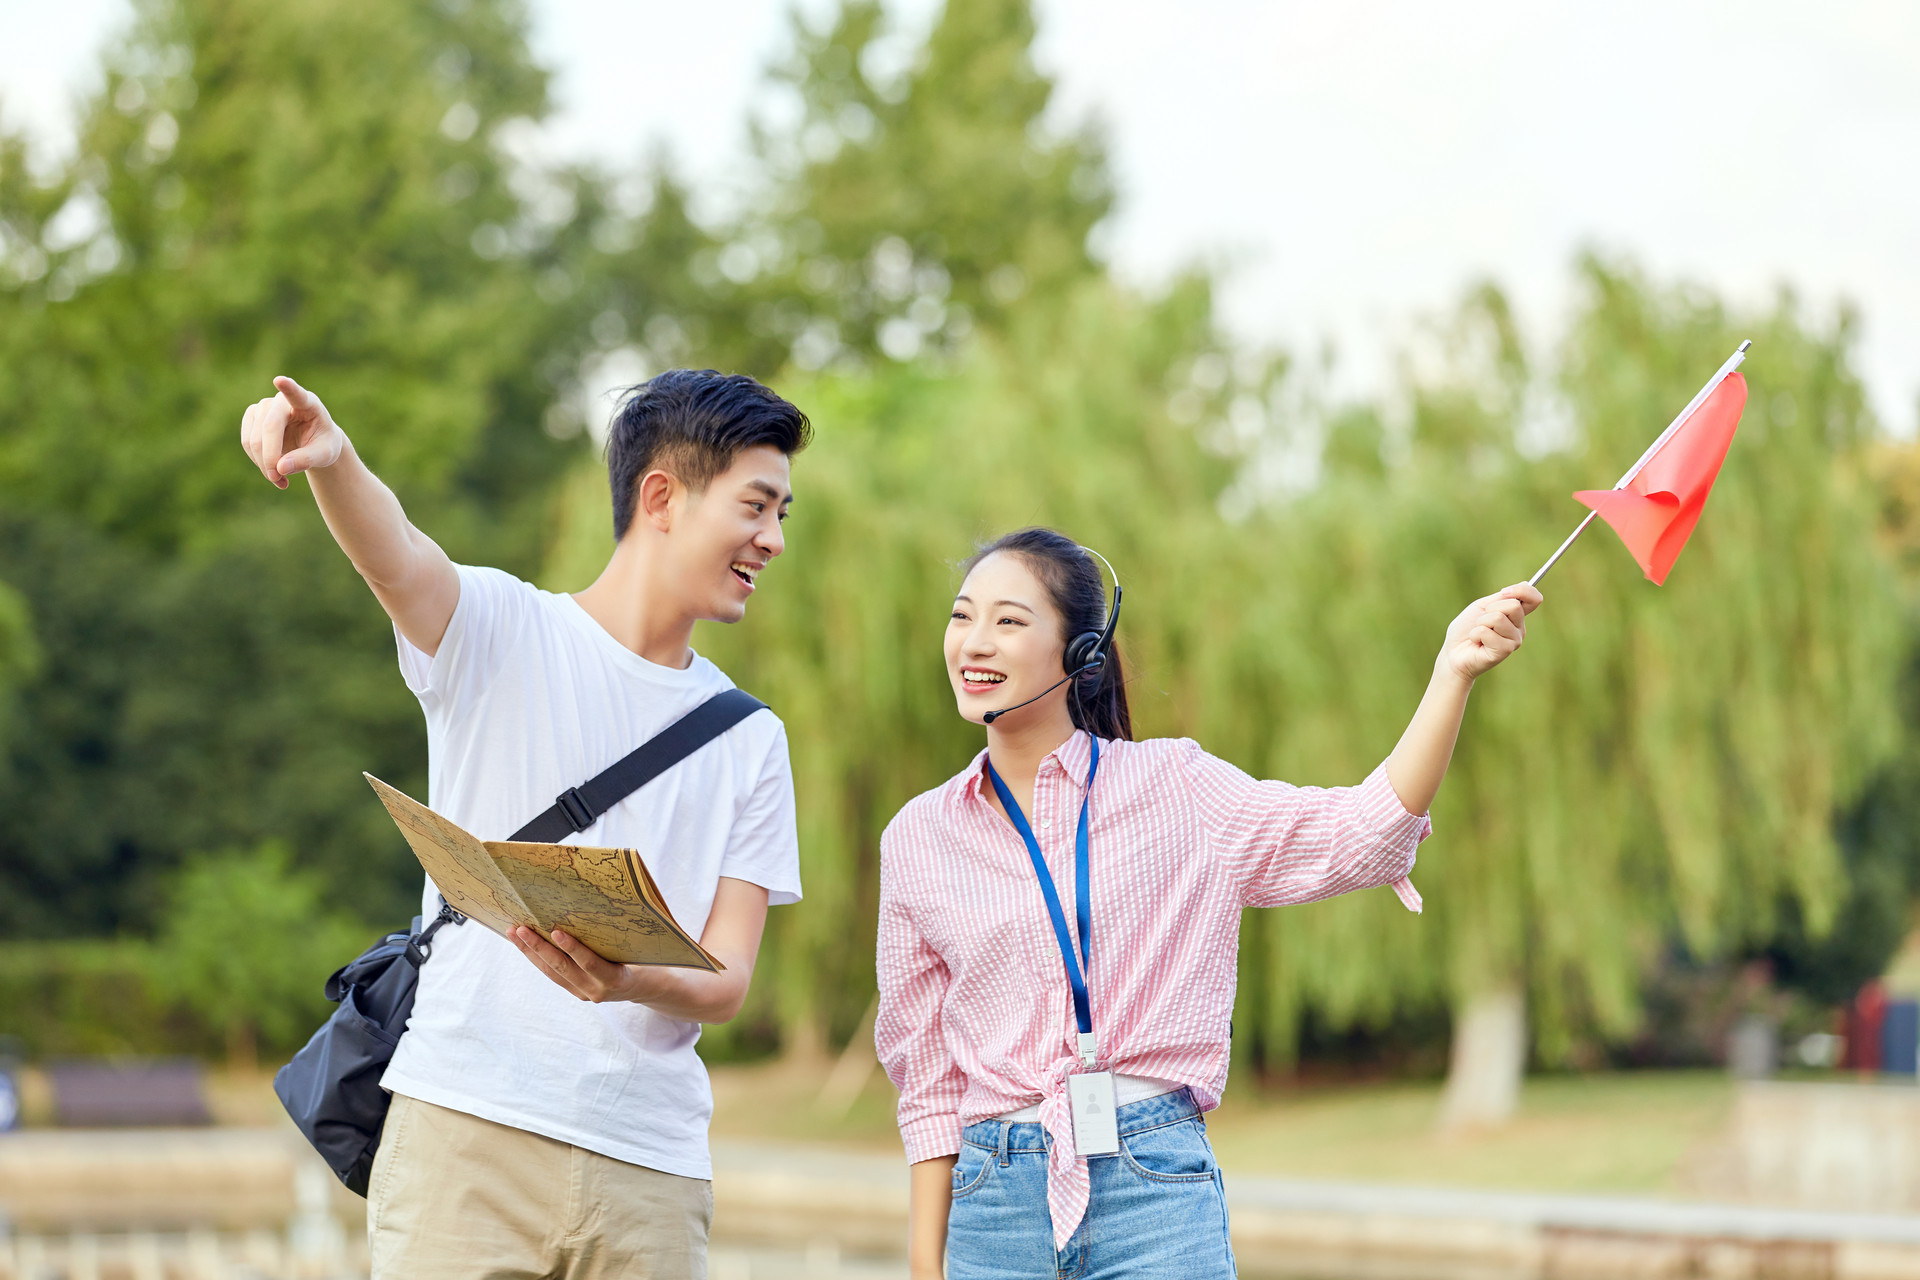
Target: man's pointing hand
x,y
290,432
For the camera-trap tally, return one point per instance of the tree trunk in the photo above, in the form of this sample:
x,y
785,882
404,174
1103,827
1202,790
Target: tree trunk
x,y
1489,1054
243,1047
802,1042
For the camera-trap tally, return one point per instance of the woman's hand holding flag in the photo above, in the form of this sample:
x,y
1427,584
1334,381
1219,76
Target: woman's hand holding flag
x,y
1488,631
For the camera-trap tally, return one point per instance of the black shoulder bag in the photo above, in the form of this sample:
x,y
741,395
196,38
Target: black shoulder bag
x,y
332,1087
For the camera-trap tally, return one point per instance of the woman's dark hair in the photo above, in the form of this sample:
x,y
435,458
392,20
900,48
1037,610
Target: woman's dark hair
x,y
692,423
1071,575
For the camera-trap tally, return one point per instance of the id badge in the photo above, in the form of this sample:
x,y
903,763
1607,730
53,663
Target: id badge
x,y
1095,1130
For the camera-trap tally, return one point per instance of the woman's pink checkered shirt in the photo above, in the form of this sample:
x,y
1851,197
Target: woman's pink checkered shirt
x,y
975,1016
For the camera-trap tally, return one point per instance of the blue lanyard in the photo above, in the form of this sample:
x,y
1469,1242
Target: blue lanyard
x,y
1082,1011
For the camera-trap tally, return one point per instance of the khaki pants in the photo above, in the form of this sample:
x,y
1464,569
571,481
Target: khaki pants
x,y
454,1197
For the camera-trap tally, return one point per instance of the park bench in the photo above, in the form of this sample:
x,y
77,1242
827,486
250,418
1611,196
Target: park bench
x,y
96,1093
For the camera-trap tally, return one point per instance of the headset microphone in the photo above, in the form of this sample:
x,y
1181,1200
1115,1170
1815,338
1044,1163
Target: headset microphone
x,y
991,716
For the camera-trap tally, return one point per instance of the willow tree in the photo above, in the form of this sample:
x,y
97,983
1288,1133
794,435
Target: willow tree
x,y
1063,421
1659,763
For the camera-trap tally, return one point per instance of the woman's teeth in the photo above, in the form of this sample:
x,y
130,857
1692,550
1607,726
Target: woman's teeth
x,y
982,677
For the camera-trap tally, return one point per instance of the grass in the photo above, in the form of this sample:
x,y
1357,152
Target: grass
x,y
1626,1132
781,1101
1605,1133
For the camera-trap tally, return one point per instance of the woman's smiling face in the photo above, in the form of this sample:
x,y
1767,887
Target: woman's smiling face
x,y
1005,640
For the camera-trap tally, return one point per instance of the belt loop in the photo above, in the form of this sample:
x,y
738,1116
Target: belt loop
x,y
1006,1129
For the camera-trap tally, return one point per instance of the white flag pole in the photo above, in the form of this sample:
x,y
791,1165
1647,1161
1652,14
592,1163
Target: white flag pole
x,y
1733,362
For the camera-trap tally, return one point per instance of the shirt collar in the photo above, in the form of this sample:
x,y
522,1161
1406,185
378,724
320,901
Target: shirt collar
x,y
1072,756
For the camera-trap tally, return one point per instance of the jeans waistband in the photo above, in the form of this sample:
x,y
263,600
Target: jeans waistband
x,y
1135,1117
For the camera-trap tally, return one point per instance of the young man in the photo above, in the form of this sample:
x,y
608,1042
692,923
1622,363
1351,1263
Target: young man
x,y
549,1113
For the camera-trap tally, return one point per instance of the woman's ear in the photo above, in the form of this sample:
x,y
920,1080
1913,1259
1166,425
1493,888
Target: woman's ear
x,y
657,492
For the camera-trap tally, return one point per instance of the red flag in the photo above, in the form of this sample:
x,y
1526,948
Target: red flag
x,y
1656,511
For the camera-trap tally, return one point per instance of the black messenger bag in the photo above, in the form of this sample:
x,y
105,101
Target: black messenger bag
x,y
332,1087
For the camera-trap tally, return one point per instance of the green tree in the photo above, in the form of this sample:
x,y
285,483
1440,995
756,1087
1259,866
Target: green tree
x,y
1066,420
337,191
331,190
321,187
911,204
1660,762
1880,836
247,943
19,655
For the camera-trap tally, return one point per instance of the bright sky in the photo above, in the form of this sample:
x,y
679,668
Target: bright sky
x,y
1357,164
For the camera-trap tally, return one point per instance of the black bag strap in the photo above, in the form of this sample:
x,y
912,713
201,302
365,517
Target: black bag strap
x,y
578,808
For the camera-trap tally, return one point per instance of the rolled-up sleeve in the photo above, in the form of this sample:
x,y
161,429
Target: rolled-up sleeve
x,y
907,1034
1289,844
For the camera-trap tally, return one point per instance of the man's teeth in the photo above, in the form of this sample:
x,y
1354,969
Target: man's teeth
x,y
982,677
745,570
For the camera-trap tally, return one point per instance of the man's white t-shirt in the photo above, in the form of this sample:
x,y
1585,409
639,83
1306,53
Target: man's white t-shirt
x,y
527,696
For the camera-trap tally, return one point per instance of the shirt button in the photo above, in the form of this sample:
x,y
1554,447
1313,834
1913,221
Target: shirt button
x,y
1045,823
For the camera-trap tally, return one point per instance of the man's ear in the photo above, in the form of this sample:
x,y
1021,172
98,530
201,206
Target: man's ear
x,y
657,499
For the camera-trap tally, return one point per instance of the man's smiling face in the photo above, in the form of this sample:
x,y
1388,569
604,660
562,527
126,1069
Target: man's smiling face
x,y
724,535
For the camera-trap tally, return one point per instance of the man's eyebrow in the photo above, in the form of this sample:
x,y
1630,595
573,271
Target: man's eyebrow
x,y
763,487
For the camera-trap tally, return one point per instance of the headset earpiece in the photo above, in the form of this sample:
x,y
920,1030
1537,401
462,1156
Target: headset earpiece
x,y
1086,656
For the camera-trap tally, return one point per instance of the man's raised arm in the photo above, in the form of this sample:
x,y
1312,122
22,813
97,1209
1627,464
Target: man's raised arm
x,y
414,580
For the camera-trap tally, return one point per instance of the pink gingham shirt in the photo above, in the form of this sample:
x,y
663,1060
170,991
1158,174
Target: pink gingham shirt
x,y
976,1019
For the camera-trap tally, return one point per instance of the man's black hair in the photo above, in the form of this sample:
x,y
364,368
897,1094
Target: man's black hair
x,y
692,423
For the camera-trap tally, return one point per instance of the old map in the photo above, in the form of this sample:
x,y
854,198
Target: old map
x,y
604,897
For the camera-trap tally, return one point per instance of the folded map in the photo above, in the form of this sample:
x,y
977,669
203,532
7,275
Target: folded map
x,y
603,897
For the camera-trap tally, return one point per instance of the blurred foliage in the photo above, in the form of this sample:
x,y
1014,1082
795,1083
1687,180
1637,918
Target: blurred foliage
x,y
1663,763
1879,836
351,193
1660,762
190,701
913,202
244,947
247,945
312,187
263,187
19,654
1064,421
96,996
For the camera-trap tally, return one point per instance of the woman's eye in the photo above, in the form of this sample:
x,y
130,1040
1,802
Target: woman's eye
x,y
1018,622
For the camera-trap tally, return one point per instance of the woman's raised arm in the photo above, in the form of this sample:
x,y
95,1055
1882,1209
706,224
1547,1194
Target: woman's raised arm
x,y
1486,633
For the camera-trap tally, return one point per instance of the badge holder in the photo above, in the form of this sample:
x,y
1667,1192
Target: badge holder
x,y
1096,1130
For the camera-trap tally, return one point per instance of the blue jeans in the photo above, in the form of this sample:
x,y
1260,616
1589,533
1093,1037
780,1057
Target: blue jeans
x,y
1158,1209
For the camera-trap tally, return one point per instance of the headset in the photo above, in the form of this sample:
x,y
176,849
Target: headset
x,y
1085,659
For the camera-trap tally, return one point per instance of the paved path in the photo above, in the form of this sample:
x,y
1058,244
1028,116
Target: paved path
x,y
791,1211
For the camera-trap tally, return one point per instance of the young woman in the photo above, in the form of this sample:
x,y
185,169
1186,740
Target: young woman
x,y
1059,923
